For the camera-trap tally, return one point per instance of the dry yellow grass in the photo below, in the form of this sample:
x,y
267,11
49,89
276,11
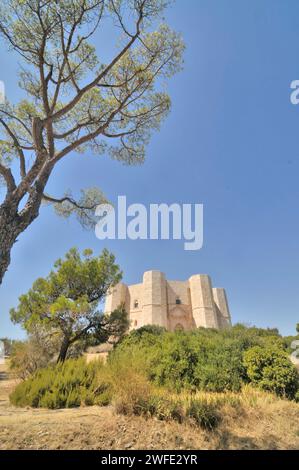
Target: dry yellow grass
x,y
251,420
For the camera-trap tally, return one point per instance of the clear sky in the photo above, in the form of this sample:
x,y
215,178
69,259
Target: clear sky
x,y
230,142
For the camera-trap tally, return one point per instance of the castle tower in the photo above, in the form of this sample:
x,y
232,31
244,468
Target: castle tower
x,y
154,309
202,301
116,297
220,300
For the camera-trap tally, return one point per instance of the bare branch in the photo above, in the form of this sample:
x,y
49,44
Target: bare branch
x,y
72,201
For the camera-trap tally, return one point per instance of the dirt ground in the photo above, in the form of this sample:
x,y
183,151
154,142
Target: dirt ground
x,y
274,427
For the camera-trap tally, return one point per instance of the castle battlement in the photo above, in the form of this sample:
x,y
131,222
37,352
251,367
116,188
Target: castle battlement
x,y
172,304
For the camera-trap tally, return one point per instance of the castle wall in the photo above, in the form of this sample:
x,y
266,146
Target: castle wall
x,y
177,289
135,294
179,315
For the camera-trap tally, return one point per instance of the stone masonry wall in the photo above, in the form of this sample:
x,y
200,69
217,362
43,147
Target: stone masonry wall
x,y
172,304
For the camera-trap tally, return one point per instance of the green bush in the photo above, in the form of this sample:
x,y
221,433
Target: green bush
x,y
104,398
270,369
64,385
204,414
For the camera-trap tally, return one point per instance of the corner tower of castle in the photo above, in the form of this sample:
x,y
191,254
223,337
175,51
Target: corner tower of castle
x,y
172,304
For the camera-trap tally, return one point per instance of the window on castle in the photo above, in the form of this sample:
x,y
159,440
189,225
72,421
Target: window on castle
x,y
135,323
178,301
136,304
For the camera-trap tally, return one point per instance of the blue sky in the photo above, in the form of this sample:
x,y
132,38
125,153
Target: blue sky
x,y
230,142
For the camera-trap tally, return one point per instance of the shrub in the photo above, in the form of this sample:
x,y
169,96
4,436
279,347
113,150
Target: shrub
x,y
73,399
220,368
103,399
132,396
64,385
204,414
270,369
166,409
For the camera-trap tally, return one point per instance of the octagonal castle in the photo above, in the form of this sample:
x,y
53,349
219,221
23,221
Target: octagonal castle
x,y
172,304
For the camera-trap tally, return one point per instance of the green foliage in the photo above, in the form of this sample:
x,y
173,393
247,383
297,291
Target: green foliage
x,y
165,408
156,373
156,330
62,386
202,359
270,369
204,414
65,303
220,368
76,101
104,398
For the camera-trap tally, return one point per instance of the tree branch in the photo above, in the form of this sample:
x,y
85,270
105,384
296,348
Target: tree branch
x,y
17,146
8,177
72,201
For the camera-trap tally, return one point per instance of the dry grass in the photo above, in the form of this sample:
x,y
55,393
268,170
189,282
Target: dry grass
x,y
250,420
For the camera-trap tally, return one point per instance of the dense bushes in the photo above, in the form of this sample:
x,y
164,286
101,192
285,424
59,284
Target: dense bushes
x,y
156,373
208,360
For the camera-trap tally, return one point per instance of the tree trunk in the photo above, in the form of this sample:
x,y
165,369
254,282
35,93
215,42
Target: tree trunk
x,y
8,235
10,228
5,250
13,223
63,349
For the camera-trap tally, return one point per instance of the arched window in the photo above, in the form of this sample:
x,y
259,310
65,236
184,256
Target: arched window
x,y
135,322
178,301
136,304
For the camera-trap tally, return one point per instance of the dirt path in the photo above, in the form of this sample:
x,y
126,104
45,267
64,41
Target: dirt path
x,y
275,427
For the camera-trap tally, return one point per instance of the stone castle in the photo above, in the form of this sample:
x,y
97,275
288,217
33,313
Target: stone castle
x,y
175,305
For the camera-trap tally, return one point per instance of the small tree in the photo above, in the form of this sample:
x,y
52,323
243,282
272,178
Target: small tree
x,y
297,328
66,302
73,101
33,353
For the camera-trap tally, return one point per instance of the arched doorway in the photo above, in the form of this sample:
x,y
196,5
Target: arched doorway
x,y
178,327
